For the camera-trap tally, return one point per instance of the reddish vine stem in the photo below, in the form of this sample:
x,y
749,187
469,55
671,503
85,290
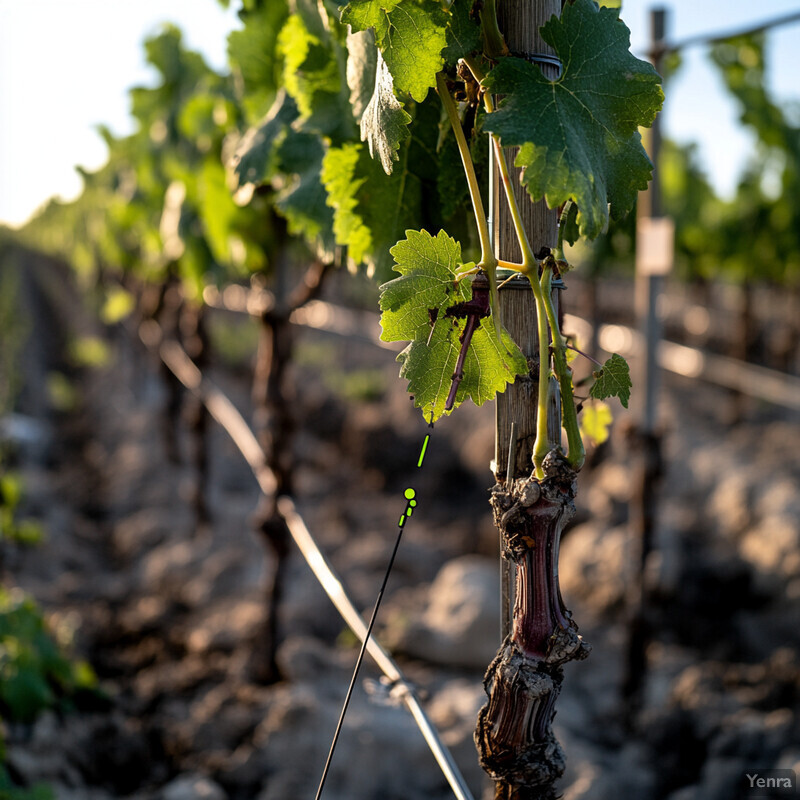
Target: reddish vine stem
x,y
474,310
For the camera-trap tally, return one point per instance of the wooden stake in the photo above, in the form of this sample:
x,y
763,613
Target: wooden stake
x,y
514,733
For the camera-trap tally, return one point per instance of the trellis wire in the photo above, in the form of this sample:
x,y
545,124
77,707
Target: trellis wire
x,y
775,387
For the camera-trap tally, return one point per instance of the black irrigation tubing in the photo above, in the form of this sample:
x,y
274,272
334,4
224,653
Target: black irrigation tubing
x,y
718,38
359,661
228,416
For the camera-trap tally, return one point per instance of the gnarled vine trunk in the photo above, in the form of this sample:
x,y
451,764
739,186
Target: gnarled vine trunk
x,y
514,734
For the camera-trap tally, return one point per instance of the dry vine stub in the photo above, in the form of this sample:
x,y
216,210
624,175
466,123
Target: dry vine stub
x,y
514,734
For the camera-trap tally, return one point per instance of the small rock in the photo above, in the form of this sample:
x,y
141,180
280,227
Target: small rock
x,y
226,625
773,547
459,623
593,566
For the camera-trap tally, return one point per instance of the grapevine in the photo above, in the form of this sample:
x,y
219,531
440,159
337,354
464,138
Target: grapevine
x,y
358,136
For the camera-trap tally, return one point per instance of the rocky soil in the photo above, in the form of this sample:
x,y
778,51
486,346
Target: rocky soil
x,y
169,612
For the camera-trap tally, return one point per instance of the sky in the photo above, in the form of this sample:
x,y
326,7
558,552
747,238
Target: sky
x,y
65,68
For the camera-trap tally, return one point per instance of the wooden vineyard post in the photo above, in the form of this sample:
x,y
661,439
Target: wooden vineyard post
x,y
514,733
654,256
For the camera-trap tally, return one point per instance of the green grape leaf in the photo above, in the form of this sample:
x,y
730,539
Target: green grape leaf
x,y
303,199
371,210
254,57
253,161
411,36
363,14
578,135
384,124
596,419
219,213
463,33
613,379
362,62
414,309
311,75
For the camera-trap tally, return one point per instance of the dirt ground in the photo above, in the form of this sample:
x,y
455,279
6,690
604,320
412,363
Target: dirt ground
x,y
169,613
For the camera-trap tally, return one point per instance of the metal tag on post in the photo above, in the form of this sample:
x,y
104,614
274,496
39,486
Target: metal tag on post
x,y
655,245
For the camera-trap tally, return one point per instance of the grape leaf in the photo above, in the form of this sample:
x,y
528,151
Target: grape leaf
x,y
595,422
362,60
613,380
312,75
308,69
276,152
302,200
371,209
218,213
578,135
463,32
411,36
253,55
253,161
384,124
414,309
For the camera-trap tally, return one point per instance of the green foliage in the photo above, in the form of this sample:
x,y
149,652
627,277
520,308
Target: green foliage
x,y
411,36
613,379
596,419
23,531
89,351
371,209
759,232
578,135
9,791
254,55
415,309
161,206
255,160
463,34
384,124
117,306
326,132
35,672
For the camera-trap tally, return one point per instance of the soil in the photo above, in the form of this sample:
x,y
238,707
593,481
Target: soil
x,y
170,612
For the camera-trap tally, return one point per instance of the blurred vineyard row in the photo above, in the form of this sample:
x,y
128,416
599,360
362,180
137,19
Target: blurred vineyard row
x,y
222,166
230,179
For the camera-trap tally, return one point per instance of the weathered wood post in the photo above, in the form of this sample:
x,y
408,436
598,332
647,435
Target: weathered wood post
x,y
514,733
654,256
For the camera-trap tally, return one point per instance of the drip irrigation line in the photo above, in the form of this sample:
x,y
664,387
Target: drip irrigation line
x,y
230,419
717,38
